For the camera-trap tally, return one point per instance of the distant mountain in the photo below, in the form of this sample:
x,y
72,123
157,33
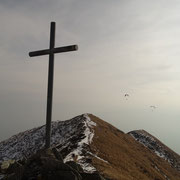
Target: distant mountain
x,y
98,146
157,147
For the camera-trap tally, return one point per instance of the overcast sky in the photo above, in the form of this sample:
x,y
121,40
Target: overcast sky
x,y
125,46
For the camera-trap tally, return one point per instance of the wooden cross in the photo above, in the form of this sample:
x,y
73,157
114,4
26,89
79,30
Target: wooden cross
x,y
51,51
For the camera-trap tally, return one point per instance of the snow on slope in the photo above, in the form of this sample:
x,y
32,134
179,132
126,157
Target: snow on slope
x,y
157,147
81,157
69,137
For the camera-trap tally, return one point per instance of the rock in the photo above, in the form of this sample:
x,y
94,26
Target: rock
x,y
10,177
48,165
12,167
57,155
94,176
75,166
56,167
64,175
5,165
1,176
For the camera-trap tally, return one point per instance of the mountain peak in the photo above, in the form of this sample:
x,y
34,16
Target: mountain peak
x,y
71,134
97,146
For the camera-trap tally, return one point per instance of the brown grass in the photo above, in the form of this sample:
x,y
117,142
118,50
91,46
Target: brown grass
x,y
127,158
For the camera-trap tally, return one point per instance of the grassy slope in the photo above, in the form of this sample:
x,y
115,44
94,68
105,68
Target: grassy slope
x,y
127,158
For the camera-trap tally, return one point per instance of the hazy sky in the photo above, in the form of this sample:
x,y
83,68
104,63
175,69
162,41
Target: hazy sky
x,y
125,46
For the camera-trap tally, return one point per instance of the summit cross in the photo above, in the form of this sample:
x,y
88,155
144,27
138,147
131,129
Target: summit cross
x,y
51,51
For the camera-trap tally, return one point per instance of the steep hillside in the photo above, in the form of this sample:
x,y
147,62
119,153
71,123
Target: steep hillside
x,y
124,158
96,146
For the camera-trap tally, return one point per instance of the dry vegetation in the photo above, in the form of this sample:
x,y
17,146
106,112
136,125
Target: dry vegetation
x,y
127,158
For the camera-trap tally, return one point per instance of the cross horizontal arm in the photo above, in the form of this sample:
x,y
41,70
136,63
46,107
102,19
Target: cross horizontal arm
x,y
65,49
39,53
54,50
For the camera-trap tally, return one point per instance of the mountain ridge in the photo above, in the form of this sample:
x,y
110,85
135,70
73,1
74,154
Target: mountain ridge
x,y
98,146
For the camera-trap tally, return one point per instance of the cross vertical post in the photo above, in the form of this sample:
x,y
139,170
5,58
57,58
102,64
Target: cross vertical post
x,y
51,51
50,85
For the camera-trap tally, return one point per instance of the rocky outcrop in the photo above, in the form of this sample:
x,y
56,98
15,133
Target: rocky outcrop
x,y
47,165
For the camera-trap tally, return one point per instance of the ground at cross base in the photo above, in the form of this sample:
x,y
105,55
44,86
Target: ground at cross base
x,y
48,165
95,146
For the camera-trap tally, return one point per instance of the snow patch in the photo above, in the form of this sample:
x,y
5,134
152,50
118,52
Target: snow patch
x,y
89,134
94,155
